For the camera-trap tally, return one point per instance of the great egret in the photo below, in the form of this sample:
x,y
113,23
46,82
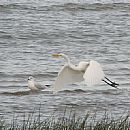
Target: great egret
x,y
33,85
91,72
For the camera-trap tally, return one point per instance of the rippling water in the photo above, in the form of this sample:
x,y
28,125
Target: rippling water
x,y
30,31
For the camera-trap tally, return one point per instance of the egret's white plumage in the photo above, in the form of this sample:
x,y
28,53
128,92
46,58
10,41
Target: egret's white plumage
x,y
66,76
91,72
33,85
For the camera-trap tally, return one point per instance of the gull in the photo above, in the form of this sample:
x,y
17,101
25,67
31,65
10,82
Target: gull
x,y
33,85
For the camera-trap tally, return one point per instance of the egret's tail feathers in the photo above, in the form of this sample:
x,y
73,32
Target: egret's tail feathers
x,y
111,83
93,74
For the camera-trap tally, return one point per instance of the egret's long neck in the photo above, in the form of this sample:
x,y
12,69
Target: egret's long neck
x,y
82,67
68,61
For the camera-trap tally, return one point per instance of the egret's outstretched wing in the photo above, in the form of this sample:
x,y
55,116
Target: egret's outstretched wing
x,y
93,74
67,76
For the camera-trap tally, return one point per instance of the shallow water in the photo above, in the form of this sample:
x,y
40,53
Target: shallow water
x,y
30,31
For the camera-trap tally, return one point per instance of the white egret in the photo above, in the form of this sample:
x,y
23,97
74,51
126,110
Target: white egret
x,y
33,85
91,72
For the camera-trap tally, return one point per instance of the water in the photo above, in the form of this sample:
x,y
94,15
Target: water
x,y
30,31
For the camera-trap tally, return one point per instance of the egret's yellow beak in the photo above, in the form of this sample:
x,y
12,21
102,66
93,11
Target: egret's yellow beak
x,y
56,55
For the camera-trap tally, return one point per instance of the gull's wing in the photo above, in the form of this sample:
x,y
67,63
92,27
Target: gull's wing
x,y
39,86
94,73
67,76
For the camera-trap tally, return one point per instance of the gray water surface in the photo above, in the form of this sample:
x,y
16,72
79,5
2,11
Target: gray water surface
x,y
30,31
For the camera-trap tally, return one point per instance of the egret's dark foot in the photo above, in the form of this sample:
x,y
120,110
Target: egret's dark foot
x,y
115,85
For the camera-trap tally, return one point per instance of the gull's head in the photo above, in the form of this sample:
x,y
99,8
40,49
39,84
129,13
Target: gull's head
x,y
57,55
30,78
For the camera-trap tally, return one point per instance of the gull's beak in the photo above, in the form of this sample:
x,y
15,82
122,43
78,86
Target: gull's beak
x,y
56,55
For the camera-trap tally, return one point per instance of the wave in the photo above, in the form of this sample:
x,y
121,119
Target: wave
x,y
73,91
91,7
76,91
18,93
68,6
43,75
97,92
25,92
17,6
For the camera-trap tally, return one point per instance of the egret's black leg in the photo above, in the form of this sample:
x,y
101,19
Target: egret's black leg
x,y
109,82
